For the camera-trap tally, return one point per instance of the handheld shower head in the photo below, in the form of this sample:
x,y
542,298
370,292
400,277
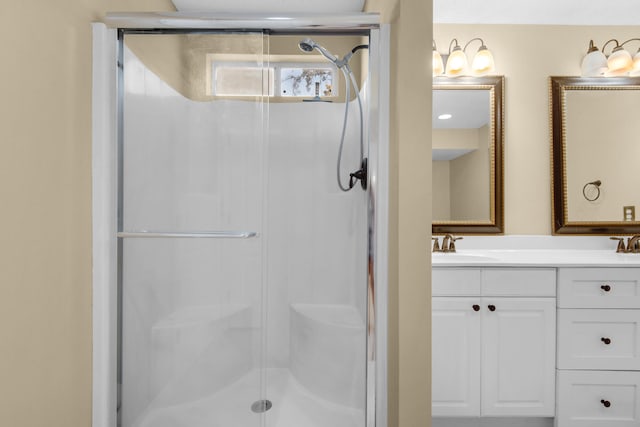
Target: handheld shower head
x,y
308,45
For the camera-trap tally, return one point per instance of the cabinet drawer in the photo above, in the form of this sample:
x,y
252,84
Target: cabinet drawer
x,y
599,287
452,282
599,339
598,399
519,282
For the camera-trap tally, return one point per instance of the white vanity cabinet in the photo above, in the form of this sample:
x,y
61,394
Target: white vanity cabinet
x,y
598,347
493,342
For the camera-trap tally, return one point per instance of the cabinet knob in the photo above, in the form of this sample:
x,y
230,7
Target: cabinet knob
x,y
607,341
476,307
491,307
605,288
606,403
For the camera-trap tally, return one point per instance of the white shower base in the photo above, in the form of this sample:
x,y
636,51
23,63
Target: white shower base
x,y
293,406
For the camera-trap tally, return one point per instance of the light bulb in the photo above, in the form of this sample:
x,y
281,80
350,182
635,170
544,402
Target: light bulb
x,y
457,62
438,65
482,62
619,62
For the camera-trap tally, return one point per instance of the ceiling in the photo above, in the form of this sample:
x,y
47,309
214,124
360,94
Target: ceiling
x,y
469,109
550,12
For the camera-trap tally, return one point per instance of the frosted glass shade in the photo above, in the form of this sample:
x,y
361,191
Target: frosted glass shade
x,y
635,71
483,62
619,62
457,63
438,65
594,64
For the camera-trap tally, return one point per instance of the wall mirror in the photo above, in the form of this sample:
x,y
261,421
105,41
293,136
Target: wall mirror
x,y
595,154
467,155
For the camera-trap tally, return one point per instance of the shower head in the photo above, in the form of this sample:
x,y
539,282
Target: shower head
x,y
308,45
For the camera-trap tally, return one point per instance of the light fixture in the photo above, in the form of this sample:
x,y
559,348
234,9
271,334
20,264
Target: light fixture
x,y
445,116
635,71
457,61
594,63
438,65
618,63
482,61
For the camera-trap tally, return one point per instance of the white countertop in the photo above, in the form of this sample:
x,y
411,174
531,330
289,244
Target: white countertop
x,y
535,251
535,258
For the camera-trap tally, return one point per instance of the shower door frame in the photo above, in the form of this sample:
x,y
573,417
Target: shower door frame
x,y
107,134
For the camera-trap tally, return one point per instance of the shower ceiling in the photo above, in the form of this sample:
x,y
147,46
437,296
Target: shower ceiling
x,y
551,12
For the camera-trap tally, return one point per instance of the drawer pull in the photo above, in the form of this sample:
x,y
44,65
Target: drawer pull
x,y
605,288
607,341
476,307
606,403
491,307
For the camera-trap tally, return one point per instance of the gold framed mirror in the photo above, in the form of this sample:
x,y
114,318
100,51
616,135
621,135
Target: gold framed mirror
x,y
595,154
467,155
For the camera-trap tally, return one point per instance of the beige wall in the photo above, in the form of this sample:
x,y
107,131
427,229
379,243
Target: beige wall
x,y
454,139
461,186
441,196
45,188
410,212
45,185
470,182
526,55
602,144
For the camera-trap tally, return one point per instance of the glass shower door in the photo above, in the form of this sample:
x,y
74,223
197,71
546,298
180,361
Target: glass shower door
x,y
242,264
190,231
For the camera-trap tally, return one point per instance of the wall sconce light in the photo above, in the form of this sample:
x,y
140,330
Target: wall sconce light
x,y
438,65
457,63
618,63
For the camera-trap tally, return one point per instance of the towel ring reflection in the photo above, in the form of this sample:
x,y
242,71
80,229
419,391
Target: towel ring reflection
x,y
596,185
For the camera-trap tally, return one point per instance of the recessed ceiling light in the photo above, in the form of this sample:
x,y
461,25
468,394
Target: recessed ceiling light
x,y
445,116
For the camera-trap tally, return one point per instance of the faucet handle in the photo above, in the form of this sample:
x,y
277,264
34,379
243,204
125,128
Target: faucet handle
x,y
621,247
452,245
436,245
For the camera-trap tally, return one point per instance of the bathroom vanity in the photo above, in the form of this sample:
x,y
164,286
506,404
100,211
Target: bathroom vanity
x,y
539,337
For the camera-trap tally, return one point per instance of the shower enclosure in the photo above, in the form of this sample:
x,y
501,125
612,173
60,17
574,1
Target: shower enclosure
x,y
236,282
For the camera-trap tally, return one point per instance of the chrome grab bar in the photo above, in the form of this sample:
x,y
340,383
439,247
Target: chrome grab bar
x,y
189,234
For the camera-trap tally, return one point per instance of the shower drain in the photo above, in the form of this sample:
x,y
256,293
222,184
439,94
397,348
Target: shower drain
x,y
261,406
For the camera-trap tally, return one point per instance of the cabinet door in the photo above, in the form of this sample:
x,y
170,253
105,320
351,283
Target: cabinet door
x,y
518,357
456,356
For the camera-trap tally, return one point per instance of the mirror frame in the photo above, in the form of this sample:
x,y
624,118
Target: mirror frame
x,y
495,223
558,85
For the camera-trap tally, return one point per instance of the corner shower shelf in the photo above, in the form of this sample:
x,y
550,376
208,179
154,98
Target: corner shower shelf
x,y
189,234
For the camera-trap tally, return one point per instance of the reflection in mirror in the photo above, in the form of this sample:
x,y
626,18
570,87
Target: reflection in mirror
x,y
467,155
595,154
